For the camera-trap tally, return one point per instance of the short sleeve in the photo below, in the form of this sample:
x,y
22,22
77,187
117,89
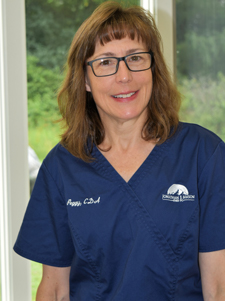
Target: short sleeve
x,y
45,236
212,202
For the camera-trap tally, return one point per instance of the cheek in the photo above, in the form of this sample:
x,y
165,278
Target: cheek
x,y
101,87
149,84
143,78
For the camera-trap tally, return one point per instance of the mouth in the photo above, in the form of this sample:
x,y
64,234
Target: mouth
x,y
122,96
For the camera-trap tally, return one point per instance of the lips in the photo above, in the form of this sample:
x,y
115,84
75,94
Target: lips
x,y
123,95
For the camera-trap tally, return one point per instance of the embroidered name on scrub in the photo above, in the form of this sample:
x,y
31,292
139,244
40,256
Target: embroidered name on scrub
x,y
87,201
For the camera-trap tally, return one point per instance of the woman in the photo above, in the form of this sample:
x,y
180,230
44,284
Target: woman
x,y
130,205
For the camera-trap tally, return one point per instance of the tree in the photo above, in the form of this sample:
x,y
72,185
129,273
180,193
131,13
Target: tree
x,y
42,89
51,25
203,102
200,37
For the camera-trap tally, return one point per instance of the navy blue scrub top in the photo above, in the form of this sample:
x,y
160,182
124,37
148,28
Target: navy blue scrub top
x,y
135,241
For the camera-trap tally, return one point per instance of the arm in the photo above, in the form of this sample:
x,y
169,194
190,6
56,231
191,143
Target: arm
x,y
212,267
54,285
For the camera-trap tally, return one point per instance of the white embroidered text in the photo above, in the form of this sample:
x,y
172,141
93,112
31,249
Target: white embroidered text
x,y
87,201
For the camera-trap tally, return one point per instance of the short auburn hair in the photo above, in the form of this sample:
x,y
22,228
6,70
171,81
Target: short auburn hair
x,y
83,125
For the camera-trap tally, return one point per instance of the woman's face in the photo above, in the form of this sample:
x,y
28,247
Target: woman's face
x,y
123,96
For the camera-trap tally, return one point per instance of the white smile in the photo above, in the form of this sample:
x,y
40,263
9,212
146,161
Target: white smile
x,y
124,95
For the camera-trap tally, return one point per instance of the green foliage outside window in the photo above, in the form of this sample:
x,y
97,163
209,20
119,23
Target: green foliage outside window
x,y
204,102
42,85
201,63
51,25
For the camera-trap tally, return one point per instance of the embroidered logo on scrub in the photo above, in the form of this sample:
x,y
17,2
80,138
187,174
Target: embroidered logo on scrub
x,y
178,193
87,201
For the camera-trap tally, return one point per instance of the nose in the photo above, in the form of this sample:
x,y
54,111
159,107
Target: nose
x,y
123,73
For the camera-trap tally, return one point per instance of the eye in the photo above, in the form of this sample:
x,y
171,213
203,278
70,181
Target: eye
x,y
107,62
135,58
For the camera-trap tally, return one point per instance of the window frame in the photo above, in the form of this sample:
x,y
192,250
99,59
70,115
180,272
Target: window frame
x,y
165,15
14,181
164,12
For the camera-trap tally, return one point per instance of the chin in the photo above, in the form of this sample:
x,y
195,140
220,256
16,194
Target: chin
x,y
131,116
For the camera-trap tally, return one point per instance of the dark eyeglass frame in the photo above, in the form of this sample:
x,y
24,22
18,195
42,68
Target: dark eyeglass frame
x,y
119,59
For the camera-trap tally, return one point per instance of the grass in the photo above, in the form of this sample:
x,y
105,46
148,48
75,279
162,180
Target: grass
x,y
36,273
43,138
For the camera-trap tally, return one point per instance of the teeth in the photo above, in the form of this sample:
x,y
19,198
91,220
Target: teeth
x,y
124,95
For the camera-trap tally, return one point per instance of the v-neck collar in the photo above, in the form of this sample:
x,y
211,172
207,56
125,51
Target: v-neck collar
x,y
105,167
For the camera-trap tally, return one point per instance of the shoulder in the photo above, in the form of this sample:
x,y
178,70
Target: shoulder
x,y
60,163
197,131
57,152
193,135
193,142
58,156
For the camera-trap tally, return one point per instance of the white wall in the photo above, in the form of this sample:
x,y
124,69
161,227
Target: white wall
x,y
14,188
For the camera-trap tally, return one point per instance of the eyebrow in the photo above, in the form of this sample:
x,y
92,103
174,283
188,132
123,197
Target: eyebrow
x,y
109,54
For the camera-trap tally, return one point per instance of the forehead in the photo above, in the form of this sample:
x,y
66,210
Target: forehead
x,y
122,46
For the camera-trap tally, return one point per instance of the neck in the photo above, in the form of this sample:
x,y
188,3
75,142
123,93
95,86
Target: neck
x,y
123,136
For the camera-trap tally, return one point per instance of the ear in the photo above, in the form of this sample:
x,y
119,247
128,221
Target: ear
x,y
87,84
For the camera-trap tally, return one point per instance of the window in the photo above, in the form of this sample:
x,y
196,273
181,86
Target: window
x,y
193,39
200,62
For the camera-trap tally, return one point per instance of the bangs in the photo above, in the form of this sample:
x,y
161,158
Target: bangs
x,y
119,27
117,32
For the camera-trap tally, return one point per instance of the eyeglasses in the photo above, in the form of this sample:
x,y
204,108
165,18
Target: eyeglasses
x,y
135,62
